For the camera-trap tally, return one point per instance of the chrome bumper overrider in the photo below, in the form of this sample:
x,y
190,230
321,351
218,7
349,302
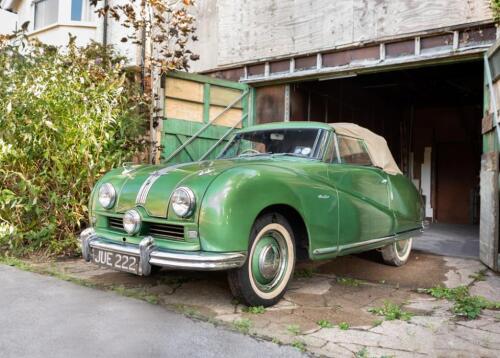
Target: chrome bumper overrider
x,y
150,255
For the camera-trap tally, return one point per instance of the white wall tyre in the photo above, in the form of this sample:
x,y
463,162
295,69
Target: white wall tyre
x,y
397,253
264,277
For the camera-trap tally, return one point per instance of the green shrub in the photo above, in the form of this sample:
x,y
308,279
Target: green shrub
x,y
66,116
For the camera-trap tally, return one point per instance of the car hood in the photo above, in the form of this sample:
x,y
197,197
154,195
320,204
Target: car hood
x,y
151,186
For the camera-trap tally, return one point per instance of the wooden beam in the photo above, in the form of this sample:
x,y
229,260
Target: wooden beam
x,y
488,227
487,123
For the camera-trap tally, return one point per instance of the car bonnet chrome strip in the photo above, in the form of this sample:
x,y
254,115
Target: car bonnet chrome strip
x,y
142,195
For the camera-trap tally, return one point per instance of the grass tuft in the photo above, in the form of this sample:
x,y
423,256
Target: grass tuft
x,y
347,281
301,346
293,329
254,309
243,325
323,323
344,326
391,312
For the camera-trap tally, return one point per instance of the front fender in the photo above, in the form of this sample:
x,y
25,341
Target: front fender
x,y
236,198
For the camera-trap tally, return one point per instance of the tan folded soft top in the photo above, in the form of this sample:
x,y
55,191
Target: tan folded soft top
x,y
377,146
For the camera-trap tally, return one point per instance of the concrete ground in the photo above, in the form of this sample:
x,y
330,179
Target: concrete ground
x,y
450,240
326,310
42,316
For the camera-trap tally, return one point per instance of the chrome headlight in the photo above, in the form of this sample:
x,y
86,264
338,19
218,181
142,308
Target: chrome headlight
x,y
132,222
183,201
107,195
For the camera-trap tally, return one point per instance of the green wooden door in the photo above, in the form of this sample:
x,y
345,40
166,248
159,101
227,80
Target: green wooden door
x,y
208,108
489,220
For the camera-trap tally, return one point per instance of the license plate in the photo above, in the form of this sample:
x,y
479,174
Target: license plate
x,y
116,261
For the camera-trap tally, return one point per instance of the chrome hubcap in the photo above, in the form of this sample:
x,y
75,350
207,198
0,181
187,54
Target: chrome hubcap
x,y
269,261
401,246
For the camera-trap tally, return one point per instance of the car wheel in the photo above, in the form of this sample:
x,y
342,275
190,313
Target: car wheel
x,y
264,277
397,253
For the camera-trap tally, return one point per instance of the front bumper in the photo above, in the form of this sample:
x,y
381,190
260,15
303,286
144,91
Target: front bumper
x,y
150,255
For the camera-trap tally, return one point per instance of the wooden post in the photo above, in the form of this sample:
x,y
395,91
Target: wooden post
x,y
488,228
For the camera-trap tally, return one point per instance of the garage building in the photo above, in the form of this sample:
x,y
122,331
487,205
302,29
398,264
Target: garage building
x,y
421,74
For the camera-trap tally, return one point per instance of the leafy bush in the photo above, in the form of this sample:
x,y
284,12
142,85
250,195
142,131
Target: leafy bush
x,y
66,116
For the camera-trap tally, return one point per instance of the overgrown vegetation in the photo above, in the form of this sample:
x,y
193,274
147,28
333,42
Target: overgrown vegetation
x,y
391,311
254,309
465,305
66,117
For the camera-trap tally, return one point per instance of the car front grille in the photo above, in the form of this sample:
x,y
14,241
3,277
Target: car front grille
x,y
170,231
167,230
115,224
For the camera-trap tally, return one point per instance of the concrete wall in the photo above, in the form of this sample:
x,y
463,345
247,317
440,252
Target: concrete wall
x,y
241,31
8,22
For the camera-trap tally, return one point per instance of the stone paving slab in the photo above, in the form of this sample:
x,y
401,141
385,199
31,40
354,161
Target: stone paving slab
x,y
340,291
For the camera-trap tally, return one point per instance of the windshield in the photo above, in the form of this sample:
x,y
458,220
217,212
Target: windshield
x,y
296,142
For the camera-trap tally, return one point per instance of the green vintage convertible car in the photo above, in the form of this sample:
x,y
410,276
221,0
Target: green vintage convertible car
x,y
276,193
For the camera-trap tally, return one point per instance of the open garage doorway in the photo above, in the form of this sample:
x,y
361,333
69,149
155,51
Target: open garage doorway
x,y
431,119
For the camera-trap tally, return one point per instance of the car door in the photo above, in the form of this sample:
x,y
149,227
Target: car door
x,y
363,191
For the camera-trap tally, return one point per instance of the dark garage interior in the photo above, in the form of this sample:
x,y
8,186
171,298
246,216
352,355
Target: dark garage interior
x,y
431,118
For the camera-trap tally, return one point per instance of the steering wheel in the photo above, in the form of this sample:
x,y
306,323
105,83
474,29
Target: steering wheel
x,y
249,150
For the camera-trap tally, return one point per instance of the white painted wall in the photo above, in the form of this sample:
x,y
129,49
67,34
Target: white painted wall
x,y
8,22
57,34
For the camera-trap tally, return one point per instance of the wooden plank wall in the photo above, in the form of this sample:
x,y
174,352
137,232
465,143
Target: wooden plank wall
x,y
256,30
191,101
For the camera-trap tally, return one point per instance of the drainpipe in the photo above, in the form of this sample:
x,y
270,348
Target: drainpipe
x,y
105,26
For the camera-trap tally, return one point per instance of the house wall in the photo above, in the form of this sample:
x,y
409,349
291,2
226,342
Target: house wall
x,y
8,22
240,31
57,34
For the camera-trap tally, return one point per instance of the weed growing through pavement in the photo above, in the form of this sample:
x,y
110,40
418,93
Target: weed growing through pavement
x,y
391,311
344,326
377,322
254,309
362,353
301,346
464,305
293,329
479,276
347,281
243,325
323,323
303,273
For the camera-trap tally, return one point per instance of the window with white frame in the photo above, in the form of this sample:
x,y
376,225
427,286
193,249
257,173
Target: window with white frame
x,y
46,13
81,10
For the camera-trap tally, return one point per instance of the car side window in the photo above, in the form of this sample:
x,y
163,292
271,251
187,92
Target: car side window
x,y
353,151
331,151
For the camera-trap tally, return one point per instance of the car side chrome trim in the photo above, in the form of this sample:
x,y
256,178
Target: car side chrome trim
x,y
400,236
151,255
